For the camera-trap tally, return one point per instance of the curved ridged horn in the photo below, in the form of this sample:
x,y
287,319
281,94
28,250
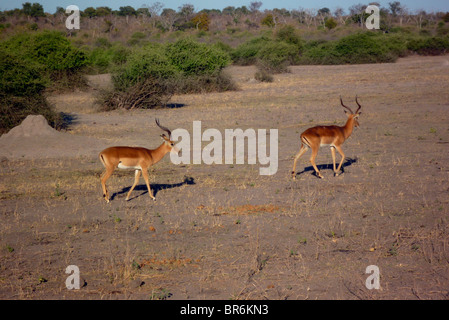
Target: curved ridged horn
x,y
345,106
357,104
163,128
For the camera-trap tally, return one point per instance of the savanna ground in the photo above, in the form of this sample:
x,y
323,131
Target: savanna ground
x,y
226,232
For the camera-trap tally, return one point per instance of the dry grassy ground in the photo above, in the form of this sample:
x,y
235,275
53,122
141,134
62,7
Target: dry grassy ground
x,y
224,231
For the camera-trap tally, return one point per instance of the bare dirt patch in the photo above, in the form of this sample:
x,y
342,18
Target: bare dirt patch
x,y
224,231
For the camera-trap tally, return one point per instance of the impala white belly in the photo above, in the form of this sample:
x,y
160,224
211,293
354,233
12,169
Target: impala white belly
x,y
327,145
121,166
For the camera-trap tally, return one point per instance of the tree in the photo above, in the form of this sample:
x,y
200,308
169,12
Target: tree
x,y
186,10
201,21
268,21
395,8
323,13
358,13
103,11
339,13
168,18
33,10
330,23
154,12
255,6
90,12
127,11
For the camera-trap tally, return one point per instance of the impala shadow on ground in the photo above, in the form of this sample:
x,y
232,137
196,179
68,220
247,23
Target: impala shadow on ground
x,y
174,105
155,187
348,162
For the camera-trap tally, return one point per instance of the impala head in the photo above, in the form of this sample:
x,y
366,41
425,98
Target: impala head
x,y
167,140
351,114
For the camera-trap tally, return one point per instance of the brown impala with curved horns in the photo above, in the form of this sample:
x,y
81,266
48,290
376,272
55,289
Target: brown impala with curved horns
x,y
139,159
333,136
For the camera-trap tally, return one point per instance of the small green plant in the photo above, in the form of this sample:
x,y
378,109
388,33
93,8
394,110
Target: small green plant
x,y
160,294
57,192
42,279
393,251
116,219
263,75
135,265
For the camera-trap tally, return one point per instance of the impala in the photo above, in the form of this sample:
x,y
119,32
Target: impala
x,y
138,159
332,136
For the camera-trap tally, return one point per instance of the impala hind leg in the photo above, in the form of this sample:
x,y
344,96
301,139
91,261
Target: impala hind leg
x,y
312,161
145,176
303,149
136,181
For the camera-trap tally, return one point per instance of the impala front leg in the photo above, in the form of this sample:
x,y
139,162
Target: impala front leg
x,y
145,176
340,151
136,180
103,179
333,160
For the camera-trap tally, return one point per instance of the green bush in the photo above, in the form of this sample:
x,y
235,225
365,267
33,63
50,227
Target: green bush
x,y
273,54
356,48
142,63
289,35
152,73
263,75
104,59
429,46
49,48
192,58
246,53
21,87
276,56
18,77
58,59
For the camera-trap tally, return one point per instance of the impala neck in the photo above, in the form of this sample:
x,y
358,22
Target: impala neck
x,y
348,127
158,153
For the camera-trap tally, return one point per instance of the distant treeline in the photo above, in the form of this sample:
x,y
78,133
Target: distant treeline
x,y
186,17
